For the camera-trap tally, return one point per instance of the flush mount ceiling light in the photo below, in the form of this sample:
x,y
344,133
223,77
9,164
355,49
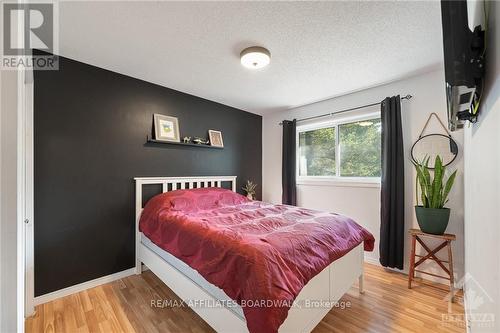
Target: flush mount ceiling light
x,y
255,57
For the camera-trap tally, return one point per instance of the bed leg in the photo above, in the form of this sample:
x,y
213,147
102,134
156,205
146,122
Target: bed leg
x,y
361,282
138,267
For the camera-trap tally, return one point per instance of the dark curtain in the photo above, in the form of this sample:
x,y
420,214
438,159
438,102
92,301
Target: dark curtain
x,y
289,196
392,189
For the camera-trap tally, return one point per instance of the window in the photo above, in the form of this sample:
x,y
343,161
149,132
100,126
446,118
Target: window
x,y
317,152
344,149
359,145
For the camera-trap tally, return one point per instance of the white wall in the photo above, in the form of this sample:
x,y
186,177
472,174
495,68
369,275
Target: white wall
x,y
10,321
1,258
482,186
363,203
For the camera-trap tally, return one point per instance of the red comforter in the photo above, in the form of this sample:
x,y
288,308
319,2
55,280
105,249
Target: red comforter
x,y
254,251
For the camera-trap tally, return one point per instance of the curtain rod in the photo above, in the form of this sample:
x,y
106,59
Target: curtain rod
x,y
408,96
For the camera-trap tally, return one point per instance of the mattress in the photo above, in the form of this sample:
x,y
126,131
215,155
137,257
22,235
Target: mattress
x,y
193,275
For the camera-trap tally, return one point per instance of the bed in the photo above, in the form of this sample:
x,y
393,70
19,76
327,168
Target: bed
x,y
225,252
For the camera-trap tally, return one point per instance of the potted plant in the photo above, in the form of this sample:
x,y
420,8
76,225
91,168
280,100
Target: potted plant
x,y
250,189
432,216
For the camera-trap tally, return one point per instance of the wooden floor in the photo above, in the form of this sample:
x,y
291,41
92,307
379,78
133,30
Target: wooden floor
x,y
125,306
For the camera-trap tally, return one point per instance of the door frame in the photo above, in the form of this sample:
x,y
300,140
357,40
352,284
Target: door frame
x,y
26,155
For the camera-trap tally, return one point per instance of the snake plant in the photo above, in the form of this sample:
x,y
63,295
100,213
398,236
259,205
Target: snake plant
x,y
434,192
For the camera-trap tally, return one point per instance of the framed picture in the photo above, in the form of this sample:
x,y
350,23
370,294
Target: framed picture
x,y
215,138
166,128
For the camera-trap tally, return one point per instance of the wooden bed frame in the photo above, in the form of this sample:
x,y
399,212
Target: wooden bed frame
x,y
317,297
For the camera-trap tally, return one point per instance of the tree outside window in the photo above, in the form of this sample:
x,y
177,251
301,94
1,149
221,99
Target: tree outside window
x,y
351,149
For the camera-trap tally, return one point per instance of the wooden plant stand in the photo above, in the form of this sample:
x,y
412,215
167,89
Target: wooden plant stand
x,y
416,236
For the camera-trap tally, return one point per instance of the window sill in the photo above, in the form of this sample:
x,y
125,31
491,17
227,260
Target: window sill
x,y
336,182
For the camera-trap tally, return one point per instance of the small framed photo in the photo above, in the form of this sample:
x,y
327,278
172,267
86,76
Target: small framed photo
x,y
215,138
166,128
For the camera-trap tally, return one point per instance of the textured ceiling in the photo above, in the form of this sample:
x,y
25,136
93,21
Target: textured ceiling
x,y
318,49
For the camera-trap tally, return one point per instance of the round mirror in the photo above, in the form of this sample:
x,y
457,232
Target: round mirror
x,y
433,145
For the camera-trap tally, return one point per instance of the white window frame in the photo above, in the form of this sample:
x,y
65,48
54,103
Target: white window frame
x,y
336,180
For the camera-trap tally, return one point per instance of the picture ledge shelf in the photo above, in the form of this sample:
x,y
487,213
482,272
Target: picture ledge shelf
x,y
149,140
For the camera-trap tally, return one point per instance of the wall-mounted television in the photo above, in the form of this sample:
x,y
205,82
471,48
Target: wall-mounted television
x,y
463,63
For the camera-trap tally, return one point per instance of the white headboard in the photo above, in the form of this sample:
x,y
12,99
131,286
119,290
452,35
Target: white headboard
x,y
171,184
178,183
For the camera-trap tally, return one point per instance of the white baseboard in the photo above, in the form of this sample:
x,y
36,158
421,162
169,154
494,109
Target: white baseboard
x,y
373,261
82,286
376,262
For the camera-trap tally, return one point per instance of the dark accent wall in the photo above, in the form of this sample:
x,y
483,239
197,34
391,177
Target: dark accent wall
x,y
90,133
